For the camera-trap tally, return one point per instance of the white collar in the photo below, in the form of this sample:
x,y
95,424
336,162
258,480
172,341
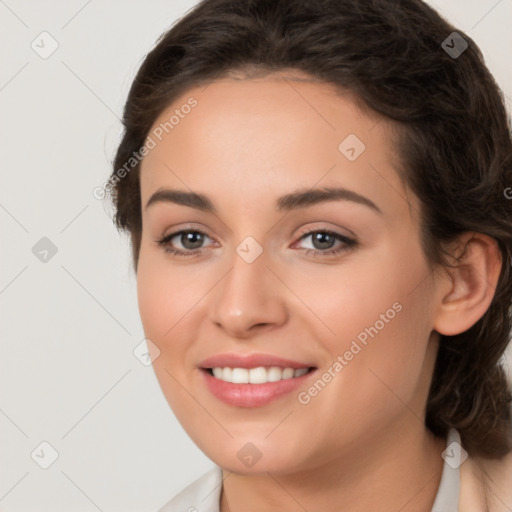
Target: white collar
x,y
447,498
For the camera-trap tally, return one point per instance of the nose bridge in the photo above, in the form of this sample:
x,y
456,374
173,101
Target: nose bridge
x,y
249,295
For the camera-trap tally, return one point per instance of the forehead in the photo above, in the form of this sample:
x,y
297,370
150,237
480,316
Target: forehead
x,y
264,135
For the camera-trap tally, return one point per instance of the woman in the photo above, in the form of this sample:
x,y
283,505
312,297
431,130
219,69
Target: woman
x,y
316,194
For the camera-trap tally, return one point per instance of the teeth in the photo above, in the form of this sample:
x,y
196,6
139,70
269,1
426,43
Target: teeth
x,y
240,376
260,375
288,373
257,375
226,374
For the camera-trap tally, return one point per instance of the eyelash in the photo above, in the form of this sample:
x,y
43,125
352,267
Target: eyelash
x,y
349,243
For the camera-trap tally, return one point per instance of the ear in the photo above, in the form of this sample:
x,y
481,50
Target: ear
x,y
466,290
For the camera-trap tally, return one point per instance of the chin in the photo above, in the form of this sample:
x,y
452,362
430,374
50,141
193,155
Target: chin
x,y
252,458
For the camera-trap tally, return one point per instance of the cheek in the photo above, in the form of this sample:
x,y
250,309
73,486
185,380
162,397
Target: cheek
x,y
364,299
171,301
164,294
162,307
153,296
379,318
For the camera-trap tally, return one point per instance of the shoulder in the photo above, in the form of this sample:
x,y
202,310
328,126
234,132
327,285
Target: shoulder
x,y
486,485
202,495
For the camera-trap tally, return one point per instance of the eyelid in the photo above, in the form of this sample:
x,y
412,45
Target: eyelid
x,y
346,243
179,228
169,236
322,227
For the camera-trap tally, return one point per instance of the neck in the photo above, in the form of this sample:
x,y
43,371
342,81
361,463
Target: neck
x,y
399,470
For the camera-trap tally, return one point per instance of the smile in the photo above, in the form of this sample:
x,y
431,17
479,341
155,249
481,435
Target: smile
x,y
259,375
255,387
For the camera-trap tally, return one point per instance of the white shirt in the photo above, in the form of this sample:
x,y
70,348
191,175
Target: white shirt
x,y
203,495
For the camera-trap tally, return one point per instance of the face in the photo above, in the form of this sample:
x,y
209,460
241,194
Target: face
x,y
297,273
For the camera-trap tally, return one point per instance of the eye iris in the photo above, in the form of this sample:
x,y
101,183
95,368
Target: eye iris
x,y
323,238
196,239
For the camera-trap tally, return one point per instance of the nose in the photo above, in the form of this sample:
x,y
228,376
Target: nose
x,y
249,299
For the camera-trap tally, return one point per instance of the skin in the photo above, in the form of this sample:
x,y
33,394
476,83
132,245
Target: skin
x,y
246,143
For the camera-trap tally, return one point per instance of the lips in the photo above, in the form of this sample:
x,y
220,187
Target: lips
x,y
251,361
253,380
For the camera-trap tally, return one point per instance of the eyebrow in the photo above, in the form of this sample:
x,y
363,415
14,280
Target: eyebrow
x,y
295,200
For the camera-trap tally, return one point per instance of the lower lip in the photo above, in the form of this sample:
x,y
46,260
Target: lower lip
x,y
252,395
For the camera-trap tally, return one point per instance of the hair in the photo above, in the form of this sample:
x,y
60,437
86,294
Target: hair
x,y
454,145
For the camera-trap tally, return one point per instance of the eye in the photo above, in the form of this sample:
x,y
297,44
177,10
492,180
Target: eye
x,y
323,242
191,242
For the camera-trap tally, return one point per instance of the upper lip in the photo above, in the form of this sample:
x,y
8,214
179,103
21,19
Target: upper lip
x,y
233,360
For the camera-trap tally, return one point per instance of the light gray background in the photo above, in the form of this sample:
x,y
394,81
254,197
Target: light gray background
x,y
69,326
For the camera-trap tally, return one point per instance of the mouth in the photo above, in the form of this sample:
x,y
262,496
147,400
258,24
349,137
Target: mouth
x,y
254,379
258,375
261,391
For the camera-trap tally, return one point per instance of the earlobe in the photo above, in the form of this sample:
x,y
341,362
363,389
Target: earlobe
x,y
467,288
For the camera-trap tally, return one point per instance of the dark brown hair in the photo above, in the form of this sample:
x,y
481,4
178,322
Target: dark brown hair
x,y
455,148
